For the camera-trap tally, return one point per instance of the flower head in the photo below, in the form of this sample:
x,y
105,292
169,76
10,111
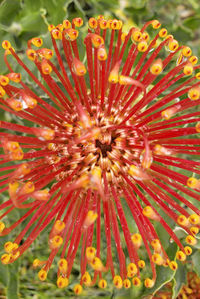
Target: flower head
x,y
112,132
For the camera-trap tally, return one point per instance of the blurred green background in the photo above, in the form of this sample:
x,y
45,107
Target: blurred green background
x,y
21,20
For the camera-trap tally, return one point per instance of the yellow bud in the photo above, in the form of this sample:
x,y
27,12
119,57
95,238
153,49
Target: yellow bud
x,y
156,245
194,93
163,32
136,281
78,22
193,60
156,24
90,253
78,67
117,280
46,68
187,51
93,23
194,219
182,220
63,265
37,42
173,45
191,240
31,54
141,264
126,283
56,242
192,182
56,34
136,239
132,269
136,36
156,67
42,274
5,258
149,212
101,54
180,255
62,282
71,34
157,259
194,230
59,226
188,250
6,45
188,69
149,283
66,24
103,24
173,265
86,279
78,289
142,46
96,264
102,283
4,80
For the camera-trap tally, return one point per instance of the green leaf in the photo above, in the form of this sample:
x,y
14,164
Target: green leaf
x,y
196,262
164,275
179,280
13,281
8,10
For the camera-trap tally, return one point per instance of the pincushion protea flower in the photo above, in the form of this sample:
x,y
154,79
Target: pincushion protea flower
x,y
116,132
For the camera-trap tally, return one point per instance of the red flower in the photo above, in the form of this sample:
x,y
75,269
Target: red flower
x,y
111,133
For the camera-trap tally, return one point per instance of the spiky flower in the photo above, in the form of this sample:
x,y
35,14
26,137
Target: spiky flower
x,y
112,135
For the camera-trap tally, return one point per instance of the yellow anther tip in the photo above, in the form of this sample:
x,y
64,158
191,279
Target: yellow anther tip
x,y
117,281
173,265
